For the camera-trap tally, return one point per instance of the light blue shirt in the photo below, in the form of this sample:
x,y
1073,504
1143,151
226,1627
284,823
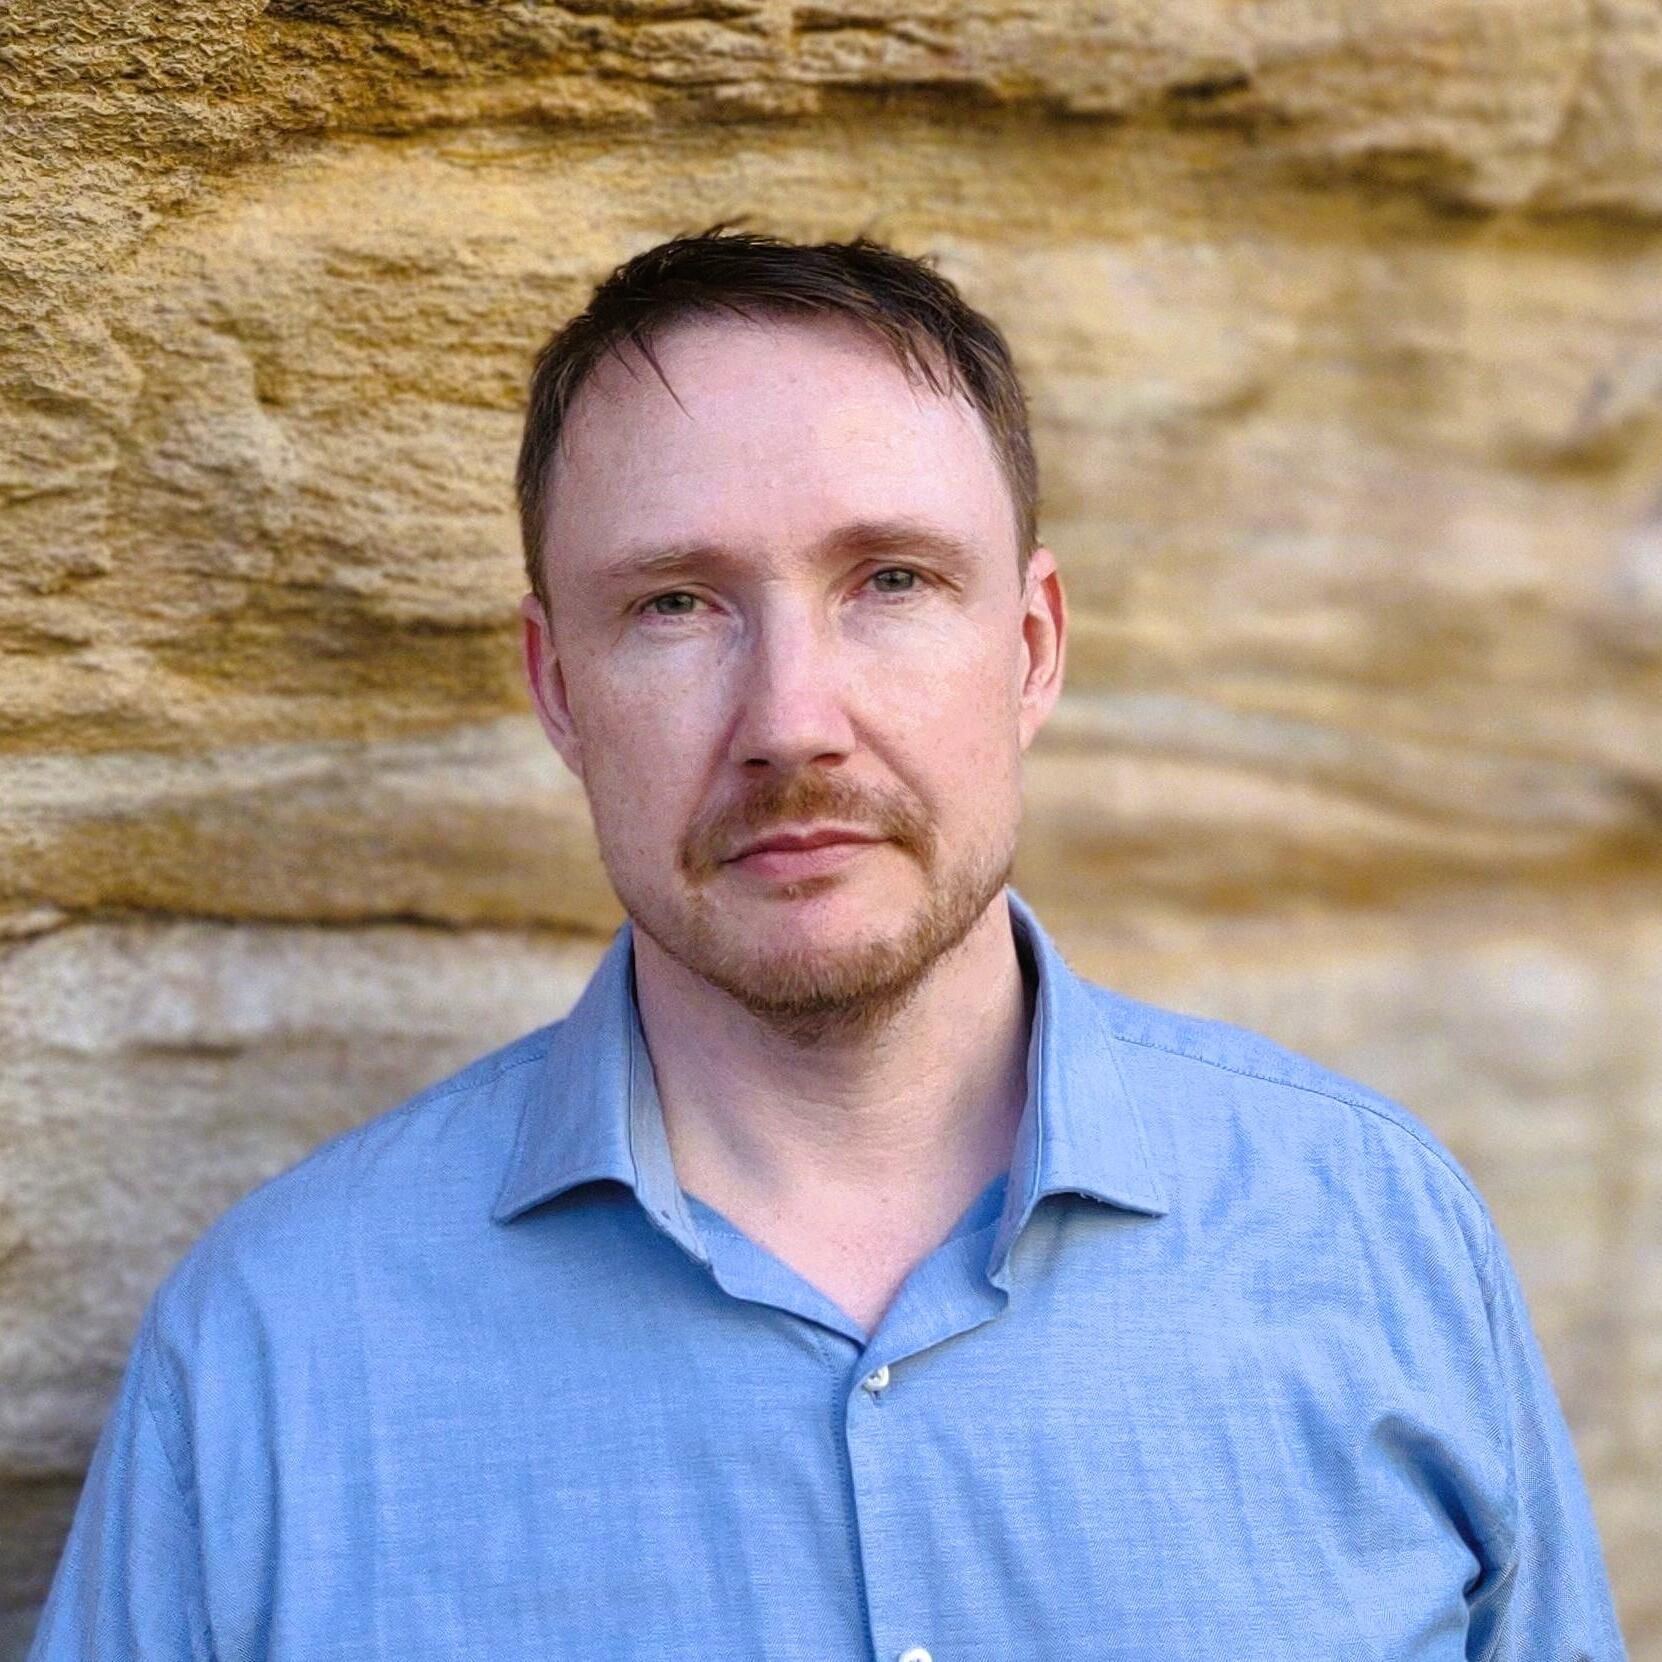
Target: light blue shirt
x,y
1231,1366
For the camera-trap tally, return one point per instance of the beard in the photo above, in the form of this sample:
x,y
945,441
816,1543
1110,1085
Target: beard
x,y
810,995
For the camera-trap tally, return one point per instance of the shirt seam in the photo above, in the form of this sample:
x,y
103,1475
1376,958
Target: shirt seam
x,y
186,1495
1357,1103
179,1484
1135,1118
147,1352
441,1093
1509,1448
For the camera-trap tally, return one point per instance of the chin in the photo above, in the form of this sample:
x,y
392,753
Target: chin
x,y
812,991
825,956
820,927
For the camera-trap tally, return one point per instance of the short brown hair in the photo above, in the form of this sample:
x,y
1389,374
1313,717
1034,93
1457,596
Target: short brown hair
x,y
937,336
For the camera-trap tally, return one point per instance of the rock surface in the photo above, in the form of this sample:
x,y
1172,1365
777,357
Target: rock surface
x,y
1343,327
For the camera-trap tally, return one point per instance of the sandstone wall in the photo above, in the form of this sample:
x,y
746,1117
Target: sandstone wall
x,y
1342,322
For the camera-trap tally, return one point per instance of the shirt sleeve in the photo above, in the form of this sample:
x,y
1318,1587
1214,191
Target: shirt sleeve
x,y
1549,1601
128,1586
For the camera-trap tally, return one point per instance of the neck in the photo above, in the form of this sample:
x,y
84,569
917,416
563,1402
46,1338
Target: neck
x,y
919,1113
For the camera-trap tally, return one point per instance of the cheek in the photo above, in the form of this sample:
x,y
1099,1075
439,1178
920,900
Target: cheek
x,y
964,706
646,756
955,736
642,715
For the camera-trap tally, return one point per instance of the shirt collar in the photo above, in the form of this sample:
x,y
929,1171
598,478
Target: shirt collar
x,y
593,1114
1081,1131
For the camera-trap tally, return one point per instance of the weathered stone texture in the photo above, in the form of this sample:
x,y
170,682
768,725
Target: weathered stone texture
x,y
1343,325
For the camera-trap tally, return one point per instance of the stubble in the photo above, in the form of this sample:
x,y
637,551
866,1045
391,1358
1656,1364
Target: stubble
x,y
811,995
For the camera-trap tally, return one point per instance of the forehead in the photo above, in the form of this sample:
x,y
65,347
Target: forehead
x,y
769,435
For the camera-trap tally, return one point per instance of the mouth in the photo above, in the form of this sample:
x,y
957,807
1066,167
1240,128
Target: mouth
x,y
799,854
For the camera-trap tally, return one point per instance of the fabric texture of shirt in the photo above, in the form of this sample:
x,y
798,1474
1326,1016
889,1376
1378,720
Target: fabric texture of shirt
x,y
1230,1365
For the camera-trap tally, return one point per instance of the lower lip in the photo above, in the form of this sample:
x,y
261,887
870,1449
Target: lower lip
x,y
787,863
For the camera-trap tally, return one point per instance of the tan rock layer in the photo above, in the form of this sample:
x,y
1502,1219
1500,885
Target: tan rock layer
x,y
1550,101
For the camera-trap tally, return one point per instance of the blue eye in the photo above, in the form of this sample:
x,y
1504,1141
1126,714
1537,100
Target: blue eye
x,y
656,604
909,580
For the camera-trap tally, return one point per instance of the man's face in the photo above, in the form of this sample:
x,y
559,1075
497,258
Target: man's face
x,y
790,604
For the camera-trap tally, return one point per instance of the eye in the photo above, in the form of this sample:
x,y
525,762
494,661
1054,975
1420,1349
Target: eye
x,y
669,605
907,580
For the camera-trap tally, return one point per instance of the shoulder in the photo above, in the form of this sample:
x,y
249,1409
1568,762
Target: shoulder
x,y
429,1166
1210,1092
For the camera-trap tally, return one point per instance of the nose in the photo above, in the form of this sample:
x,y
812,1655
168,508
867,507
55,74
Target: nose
x,y
792,696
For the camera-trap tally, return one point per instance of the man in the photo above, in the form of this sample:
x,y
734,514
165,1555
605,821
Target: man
x,y
843,1278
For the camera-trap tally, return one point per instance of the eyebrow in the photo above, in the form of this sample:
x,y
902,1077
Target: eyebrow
x,y
874,539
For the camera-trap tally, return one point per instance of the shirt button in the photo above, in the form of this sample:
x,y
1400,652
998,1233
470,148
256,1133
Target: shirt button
x,y
915,1653
874,1382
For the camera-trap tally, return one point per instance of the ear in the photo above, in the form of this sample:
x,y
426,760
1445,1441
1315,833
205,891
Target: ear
x,y
548,683
1044,632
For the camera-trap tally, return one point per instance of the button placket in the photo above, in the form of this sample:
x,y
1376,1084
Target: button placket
x,y
950,1297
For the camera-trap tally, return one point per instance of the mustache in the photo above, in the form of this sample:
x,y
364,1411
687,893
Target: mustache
x,y
803,798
